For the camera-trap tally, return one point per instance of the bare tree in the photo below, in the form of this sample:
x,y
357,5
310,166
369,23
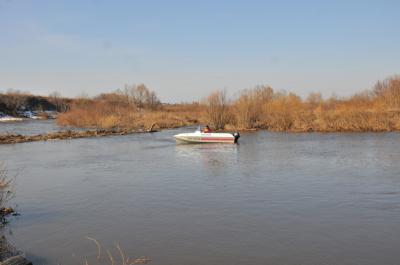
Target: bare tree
x,y
58,101
152,100
389,91
248,107
217,109
14,100
141,96
314,99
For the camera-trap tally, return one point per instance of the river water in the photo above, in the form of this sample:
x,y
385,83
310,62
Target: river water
x,y
31,127
275,198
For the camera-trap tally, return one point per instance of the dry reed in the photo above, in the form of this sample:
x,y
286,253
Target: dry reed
x,y
113,112
110,259
377,109
262,108
7,192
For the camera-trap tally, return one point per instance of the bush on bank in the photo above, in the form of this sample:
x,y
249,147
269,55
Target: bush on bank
x,y
261,107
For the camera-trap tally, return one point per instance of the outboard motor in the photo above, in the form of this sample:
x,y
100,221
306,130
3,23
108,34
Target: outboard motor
x,y
237,136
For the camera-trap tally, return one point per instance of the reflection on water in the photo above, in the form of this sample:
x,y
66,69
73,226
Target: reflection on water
x,y
211,155
275,198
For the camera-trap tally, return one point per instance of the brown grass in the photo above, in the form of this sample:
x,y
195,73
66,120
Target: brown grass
x,y
113,112
218,110
248,108
112,259
7,192
377,109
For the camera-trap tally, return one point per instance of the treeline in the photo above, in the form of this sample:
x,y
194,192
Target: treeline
x,y
13,102
377,109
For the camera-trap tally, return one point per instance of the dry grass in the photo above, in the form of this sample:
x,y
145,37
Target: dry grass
x,y
7,192
113,112
374,110
107,257
377,109
97,113
218,110
248,108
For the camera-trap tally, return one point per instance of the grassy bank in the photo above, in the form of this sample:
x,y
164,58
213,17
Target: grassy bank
x,y
108,115
128,110
265,109
377,109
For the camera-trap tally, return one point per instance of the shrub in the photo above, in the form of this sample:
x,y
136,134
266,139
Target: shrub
x,y
217,109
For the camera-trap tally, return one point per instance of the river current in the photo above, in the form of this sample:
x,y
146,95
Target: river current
x,y
274,198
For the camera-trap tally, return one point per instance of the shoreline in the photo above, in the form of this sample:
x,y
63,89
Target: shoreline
x,y
64,135
72,134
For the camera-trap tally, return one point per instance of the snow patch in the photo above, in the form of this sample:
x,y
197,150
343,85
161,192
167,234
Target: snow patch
x,y
9,118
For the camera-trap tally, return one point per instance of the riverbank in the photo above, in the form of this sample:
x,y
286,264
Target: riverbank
x,y
261,107
258,108
275,117
61,135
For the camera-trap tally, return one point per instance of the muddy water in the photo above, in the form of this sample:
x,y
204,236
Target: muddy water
x,y
275,198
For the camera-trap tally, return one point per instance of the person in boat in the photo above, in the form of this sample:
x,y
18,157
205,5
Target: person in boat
x,y
206,129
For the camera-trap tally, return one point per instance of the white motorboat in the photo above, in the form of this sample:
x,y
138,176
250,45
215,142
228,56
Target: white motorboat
x,y
207,137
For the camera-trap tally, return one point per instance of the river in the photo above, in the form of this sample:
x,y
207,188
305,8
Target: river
x,y
275,198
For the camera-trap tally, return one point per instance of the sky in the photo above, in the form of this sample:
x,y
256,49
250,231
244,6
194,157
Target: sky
x,y
185,49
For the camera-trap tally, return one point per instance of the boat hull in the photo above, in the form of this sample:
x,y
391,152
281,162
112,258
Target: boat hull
x,y
206,138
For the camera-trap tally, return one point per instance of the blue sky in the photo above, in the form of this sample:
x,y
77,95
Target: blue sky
x,y
185,49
